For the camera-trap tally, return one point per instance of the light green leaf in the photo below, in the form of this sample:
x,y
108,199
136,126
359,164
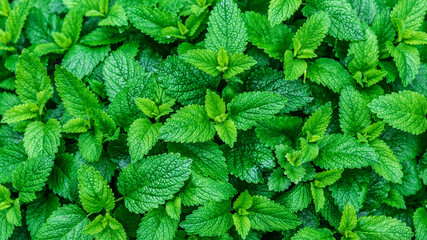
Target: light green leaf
x,y
149,182
277,181
94,192
316,124
203,59
189,124
142,136
42,138
308,233
16,19
227,132
354,112
266,215
382,227
106,227
21,113
294,68
348,219
345,25
388,166
311,34
244,201
318,197
405,110
90,145
242,224
297,198
327,178
31,176
215,106
281,10
156,224
207,158
364,53
173,208
73,24
416,38
78,99
213,219
410,12
76,125
342,151
330,73
31,77
226,29
274,40
407,59
247,108
116,17
238,64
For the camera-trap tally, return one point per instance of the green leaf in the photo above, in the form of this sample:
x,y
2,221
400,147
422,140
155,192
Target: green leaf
x,y
77,125
271,80
242,224
294,68
238,64
327,178
247,108
189,124
348,219
383,29
31,77
21,113
297,198
226,29
364,53
407,59
7,101
420,223
207,158
156,224
342,151
103,36
72,24
405,110
78,99
354,113
40,210
266,215
90,145
215,106
119,68
148,183
5,226
203,59
382,227
11,157
213,219
184,82
227,132
411,182
42,138
244,201
147,106
173,208
277,181
316,124
416,38
410,12
31,176
395,199
311,34
152,21
352,187
281,10
94,192
16,19
388,166
249,158
318,197
345,25
330,73
200,190
308,233
116,17
81,60
106,227
142,137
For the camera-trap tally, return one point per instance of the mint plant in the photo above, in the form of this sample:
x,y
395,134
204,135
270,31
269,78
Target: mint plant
x,y
213,119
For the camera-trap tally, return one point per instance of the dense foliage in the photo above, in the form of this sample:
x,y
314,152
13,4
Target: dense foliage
x,y
213,119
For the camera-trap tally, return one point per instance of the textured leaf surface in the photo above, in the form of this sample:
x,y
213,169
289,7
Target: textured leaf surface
x,y
144,183
382,227
42,138
142,137
404,110
297,198
388,166
94,191
311,34
67,222
11,157
226,28
157,224
189,124
39,211
354,113
407,59
246,108
281,10
342,151
329,73
213,219
308,233
420,223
